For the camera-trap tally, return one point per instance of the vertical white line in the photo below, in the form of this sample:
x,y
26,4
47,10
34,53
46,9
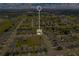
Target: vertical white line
x,y
39,19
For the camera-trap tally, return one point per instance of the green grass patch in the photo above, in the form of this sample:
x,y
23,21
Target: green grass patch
x,y
5,25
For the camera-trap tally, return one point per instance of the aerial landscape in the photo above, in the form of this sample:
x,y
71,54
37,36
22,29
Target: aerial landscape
x,y
39,29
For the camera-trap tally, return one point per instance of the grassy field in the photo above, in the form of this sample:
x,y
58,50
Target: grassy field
x,y
5,25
